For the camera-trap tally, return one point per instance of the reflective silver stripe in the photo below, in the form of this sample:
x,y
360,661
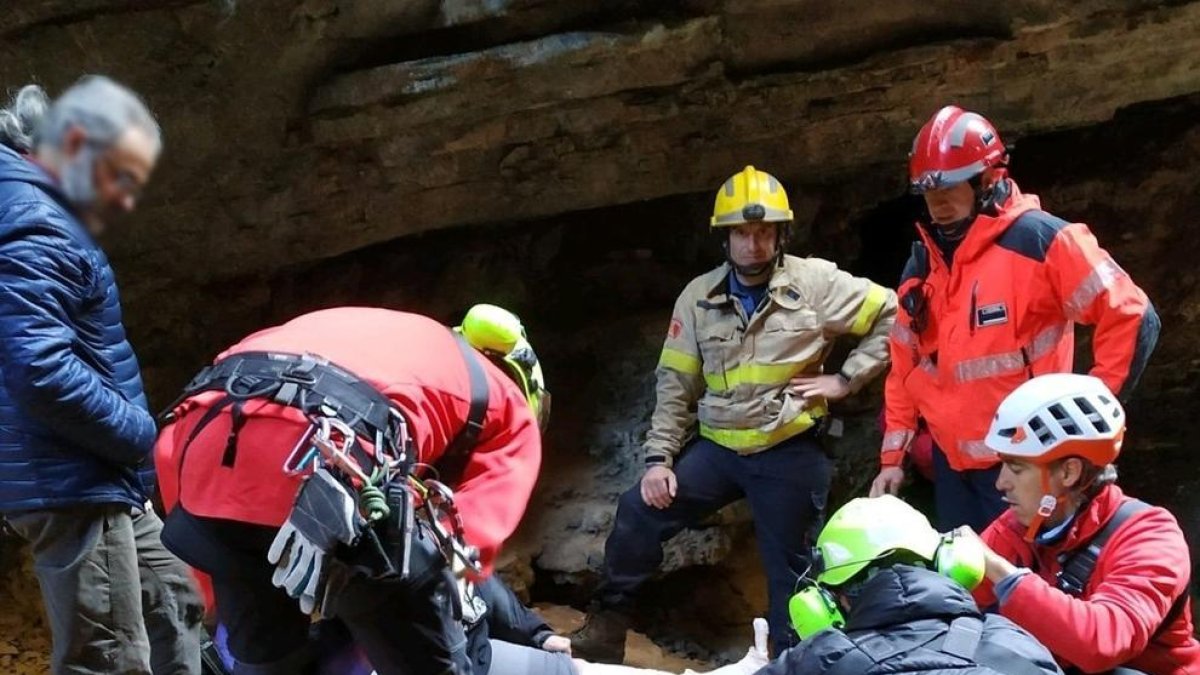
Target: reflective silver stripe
x,y
903,335
927,365
1046,341
896,440
989,366
958,132
977,449
1009,362
730,188
1102,277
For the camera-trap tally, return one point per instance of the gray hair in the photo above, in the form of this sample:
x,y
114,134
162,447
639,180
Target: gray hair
x,y
100,106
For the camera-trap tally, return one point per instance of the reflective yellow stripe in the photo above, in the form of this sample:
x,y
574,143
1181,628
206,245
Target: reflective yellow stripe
x,y
746,439
753,373
876,298
680,361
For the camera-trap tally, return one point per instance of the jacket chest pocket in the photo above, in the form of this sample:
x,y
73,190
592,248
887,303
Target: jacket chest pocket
x,y
790,336
719,344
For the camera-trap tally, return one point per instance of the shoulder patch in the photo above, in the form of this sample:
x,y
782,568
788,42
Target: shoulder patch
x,y
1031,234
675,329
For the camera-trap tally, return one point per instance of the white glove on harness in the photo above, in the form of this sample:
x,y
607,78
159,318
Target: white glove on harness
x,y
324,515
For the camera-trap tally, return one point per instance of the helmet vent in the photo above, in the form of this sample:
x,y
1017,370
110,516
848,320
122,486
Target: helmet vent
x,y
1044,435
1007,433
1064,420
1092,415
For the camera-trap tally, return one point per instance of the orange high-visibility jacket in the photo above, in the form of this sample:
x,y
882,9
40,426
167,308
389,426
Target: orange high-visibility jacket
x,y
1003,312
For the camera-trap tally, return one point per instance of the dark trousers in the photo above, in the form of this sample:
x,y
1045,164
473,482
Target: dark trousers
x,y
786,487
965,497
403,630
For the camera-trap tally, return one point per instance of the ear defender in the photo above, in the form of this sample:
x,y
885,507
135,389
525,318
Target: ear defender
x,y
961,559
813,610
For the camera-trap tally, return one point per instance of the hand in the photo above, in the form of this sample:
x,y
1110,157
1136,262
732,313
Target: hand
x,y
888,481
829,387
557,643
659,487
995,566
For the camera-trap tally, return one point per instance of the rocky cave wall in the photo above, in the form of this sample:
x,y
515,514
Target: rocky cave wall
x,y
558,157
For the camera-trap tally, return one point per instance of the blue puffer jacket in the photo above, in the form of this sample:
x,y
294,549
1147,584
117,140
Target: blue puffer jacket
x,y
74,424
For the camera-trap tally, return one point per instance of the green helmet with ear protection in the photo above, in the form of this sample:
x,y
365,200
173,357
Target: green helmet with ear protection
x,y
865,531
500,335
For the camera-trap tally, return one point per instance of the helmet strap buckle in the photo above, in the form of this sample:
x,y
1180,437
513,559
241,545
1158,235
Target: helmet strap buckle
x,y
1047,505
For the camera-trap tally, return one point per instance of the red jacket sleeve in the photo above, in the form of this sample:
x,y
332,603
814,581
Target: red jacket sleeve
x,y
1143,569
499,477
1095,291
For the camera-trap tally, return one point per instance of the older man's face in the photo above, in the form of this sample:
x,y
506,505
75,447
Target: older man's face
x,y
106,184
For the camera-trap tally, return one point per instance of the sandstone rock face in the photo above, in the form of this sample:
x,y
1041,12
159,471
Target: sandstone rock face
x,y
558,157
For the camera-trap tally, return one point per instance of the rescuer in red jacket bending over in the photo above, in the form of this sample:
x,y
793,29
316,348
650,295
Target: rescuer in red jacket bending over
x,y
300,466
1098,577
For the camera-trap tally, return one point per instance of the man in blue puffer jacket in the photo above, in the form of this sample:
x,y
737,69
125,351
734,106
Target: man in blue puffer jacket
x,y
75,431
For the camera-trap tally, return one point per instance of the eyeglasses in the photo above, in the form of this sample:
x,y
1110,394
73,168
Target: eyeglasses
x,y
126,181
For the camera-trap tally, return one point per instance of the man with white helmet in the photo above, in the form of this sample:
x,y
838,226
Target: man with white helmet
x,y
1099,577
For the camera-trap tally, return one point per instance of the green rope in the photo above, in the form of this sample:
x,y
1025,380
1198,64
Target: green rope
x,y
371,499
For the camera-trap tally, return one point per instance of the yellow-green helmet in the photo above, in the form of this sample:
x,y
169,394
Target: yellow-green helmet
x,y
866,530
499,334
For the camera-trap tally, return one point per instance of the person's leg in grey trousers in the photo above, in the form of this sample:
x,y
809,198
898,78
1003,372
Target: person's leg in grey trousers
x,y
117,601
85,558
170,603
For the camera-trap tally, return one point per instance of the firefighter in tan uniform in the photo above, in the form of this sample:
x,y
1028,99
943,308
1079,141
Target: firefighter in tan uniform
x,y
741,398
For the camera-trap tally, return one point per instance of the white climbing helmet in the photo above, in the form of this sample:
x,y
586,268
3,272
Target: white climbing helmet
x,y
1060,415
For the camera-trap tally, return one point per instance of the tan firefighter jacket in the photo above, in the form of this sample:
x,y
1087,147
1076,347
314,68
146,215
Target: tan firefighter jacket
x,y
731,372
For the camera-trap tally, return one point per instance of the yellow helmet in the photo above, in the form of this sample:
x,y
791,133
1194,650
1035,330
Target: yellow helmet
x,y
751,196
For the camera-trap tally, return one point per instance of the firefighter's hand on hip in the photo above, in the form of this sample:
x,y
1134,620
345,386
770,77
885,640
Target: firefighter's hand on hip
x,y
659,487
829,387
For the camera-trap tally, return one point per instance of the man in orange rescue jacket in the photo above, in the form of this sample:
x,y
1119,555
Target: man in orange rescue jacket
x,y
990,298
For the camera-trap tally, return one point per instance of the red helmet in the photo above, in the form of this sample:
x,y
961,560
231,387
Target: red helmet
x,y
953,147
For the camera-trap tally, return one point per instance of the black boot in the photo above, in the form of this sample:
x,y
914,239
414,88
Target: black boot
x,y
602,639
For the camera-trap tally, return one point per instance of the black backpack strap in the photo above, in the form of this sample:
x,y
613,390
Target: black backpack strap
x,y
1175,612
454,458
1078,565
